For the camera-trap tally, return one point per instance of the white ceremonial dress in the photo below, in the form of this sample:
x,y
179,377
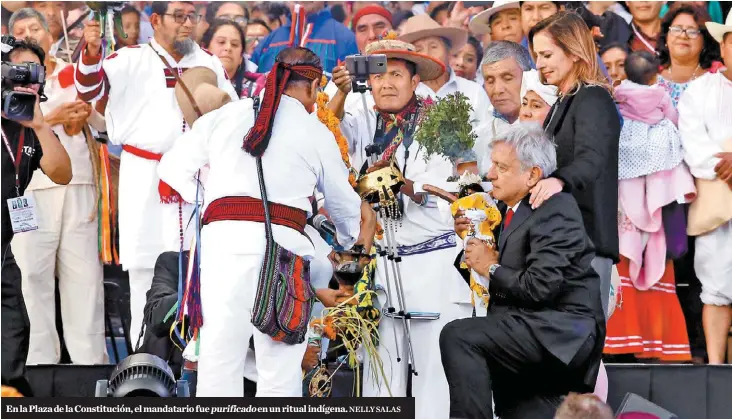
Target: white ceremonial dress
x,y
427,244
705,124
302,155
142,112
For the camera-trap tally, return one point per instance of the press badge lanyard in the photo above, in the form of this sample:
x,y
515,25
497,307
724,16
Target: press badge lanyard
x,y
642,38
15,158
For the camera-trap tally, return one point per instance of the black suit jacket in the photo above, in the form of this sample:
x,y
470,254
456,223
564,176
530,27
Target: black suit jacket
x,y
586,129
545,278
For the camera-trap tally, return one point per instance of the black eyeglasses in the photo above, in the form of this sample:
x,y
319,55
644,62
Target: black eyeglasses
x,y
181,18
678,30
241,20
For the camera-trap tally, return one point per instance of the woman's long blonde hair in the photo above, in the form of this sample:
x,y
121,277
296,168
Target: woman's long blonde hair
x,y
571,34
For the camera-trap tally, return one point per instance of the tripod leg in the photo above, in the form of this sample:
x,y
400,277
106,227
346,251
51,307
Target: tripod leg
x,y
399,285
391,308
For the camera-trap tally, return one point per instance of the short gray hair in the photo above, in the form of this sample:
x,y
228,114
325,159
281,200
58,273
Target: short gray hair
x,y
534,148
27,13
500,50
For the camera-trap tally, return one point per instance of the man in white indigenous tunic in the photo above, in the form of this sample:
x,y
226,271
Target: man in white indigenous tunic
x,y
439,42
705,124
299,155
143,116
425,239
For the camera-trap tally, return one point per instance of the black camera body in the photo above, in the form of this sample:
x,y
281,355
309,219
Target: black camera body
x,y
19,106
361,66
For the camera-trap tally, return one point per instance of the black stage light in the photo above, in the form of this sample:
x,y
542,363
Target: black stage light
x,y
142,375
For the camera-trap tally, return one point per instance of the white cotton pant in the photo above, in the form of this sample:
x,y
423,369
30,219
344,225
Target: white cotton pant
x,y
228,287
140,282
430,283
713,265
64,246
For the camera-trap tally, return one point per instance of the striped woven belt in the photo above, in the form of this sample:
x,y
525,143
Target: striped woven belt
x,y
444,241
245,208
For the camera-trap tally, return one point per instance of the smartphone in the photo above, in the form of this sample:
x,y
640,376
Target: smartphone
x,y
361,66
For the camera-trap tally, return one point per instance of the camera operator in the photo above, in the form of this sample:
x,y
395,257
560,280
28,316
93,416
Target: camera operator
x,y
27,145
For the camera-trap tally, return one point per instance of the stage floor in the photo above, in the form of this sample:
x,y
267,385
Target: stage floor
x,y
689,391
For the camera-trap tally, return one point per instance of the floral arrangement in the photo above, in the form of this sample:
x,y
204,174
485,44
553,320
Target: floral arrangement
x,y
328,118
446,127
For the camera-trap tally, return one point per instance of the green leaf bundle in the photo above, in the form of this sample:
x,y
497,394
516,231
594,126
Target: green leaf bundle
x,y
446,127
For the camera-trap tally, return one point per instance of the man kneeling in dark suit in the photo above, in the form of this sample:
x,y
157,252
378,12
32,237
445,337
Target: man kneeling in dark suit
x,y
544,332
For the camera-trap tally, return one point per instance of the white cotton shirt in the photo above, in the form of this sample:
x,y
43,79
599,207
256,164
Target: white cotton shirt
x,y
421,222
705,122
484,144
75,145
353,100
302,156
142,111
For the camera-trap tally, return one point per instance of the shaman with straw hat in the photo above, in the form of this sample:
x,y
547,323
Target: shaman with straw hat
x,y
419,279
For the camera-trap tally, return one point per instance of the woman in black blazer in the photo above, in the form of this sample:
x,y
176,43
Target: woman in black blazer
x,y
586,127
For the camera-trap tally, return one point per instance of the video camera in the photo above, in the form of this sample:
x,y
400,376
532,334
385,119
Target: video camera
x,y
19,106
361,66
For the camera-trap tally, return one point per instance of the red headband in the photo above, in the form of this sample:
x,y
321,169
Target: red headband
x,y
257,139
371,9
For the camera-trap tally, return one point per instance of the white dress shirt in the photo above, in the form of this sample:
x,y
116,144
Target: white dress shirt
x,y
495,123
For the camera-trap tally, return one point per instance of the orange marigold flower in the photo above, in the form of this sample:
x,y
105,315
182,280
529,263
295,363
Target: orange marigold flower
x,y
328,118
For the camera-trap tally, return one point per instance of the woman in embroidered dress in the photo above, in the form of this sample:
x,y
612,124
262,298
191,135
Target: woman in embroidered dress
x,y
685,48
225,39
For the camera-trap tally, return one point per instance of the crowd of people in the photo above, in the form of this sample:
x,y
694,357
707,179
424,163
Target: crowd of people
x,y
602,131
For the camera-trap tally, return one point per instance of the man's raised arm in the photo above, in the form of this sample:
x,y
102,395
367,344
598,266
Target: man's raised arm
x,y
90,80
